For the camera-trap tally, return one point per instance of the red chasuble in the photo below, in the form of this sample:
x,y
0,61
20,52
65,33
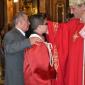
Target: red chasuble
x,y
69,53
52,28
37,70
73,75
59,39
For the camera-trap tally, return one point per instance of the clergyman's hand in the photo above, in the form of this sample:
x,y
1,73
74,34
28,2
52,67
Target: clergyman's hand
x,y
35,40
55,59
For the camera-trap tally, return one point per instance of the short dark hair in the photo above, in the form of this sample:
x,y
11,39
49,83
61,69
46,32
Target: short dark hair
x,y
36,20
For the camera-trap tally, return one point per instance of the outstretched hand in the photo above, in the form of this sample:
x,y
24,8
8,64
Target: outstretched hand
x,y
35,40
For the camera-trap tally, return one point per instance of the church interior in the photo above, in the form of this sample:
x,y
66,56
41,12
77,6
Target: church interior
x,y
56,10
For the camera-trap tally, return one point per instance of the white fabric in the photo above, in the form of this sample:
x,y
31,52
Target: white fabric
x,y
48,45
23,33
35,35
82,33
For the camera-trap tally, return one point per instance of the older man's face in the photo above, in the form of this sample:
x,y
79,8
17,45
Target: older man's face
x,y
77,10
82,7
25,23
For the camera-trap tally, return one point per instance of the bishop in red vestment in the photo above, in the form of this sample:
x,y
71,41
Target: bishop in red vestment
x,y
69,60
74,67
58,36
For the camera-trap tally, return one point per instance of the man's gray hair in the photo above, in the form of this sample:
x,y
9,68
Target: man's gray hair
x,y
18,16
76,2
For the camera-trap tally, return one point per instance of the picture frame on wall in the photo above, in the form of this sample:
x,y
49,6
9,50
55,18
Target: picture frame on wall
x,y
42,8
27,1
60,12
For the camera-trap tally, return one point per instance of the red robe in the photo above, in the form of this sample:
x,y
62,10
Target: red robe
x,y
59,38
37,70
74,67
52,28
62,47
65,46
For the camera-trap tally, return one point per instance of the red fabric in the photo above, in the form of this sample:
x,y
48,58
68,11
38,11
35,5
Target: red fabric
x,y
37,70
51,32
69,52
73,75
74,67
59,38
61,41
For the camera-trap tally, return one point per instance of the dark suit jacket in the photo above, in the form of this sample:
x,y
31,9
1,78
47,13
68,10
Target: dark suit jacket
x,y
14,45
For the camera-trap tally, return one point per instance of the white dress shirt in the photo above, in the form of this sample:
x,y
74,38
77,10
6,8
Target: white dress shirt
x,y
23,33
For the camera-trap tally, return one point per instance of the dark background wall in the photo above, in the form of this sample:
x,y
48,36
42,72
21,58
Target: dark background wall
x,y
1,14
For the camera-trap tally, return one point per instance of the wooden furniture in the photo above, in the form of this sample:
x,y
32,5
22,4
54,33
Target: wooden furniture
x,y
57,9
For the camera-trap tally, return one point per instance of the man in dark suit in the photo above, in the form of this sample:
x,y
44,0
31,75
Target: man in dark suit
x,y
14,45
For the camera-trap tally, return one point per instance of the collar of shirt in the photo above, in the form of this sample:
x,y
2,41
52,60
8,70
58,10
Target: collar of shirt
x,y
35,35
82,32
23,33
48,45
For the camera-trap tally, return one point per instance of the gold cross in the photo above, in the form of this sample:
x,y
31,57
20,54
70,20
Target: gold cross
x,y
75,36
